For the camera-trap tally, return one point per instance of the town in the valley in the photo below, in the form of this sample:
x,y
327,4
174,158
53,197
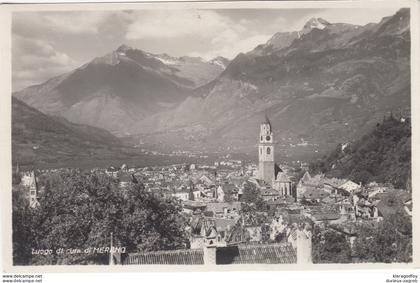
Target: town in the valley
x,y
264,212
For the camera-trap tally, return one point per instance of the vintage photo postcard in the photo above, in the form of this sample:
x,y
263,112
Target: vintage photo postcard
x,y
209,136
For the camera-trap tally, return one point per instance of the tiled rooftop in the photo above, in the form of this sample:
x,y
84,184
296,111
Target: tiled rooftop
x,y
177,257
257,254
241,254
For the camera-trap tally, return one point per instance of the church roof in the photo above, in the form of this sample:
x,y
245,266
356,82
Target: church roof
x,y
211,232
306,177
33,180
224,224
206,180
266,120
277,169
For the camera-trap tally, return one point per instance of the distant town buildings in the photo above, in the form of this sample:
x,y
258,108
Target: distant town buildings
x,y
29,181
220,232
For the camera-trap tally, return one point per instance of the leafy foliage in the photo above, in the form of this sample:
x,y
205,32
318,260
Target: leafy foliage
x,y
329,246
22,226
384,156
390,241
78,211
16,178
251,195
228,194
252,216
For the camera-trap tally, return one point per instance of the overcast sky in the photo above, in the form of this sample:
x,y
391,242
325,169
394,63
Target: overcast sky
x,y
47,44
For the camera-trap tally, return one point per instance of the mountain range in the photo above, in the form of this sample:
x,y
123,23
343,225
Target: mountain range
x,y
123,87
325,84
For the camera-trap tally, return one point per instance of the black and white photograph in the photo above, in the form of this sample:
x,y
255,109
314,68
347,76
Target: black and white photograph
x,y
206,135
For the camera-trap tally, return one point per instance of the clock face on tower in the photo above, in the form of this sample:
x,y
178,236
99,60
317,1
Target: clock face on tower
x,y
268,138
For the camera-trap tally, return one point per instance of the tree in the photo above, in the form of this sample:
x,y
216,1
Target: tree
x,y
191,194
252,216
228,193
228,197
80,211
16,178
329,246
22,227
250,193
383,155
281,237
265,233
389,241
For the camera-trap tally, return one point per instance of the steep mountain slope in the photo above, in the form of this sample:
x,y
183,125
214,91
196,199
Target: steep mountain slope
x,y
325,84
119,89
331,84
39,138
282,40
43,141
383,155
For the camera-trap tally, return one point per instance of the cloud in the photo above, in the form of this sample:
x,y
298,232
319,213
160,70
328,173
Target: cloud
x,y
76,22
280,24
46,44
35,61
175,23
73,22
222,35
233,48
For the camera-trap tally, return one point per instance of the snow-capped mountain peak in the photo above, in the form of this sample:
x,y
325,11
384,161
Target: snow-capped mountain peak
x,y
123,48
166,59
220,61
315,23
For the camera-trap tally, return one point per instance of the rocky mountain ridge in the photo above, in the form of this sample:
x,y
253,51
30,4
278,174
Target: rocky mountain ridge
x,y
325,84
119,89
328,86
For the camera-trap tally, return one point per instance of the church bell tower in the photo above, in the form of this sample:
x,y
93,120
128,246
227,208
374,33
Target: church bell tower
x,y
266,152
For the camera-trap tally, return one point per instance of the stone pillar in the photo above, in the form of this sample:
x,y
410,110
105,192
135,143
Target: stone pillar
x,y
375,212
209,254
304,246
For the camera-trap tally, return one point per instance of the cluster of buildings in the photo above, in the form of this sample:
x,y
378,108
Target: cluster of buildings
x,y
222,232
341,200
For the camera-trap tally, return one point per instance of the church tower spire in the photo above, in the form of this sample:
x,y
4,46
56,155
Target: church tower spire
x,y
33,190
266,152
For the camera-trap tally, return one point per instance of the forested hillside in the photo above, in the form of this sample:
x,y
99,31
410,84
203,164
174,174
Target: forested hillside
x,y
384,155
